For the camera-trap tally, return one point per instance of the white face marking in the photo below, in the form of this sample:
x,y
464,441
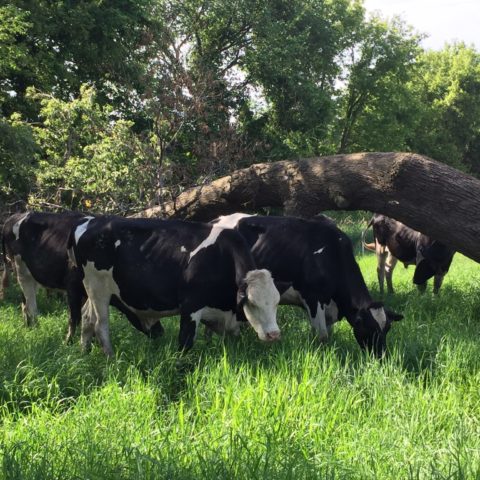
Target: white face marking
x,y
225,221
261,305
81,229
320,250
183,249
117,243
16,227
379,316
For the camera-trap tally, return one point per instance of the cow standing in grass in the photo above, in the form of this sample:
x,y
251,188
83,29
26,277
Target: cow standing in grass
x,y
155,268
317,259
395,241
36,246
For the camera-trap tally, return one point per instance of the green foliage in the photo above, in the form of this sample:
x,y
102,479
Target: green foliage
x,y
449,129
17,159
244,409
90,157
186,91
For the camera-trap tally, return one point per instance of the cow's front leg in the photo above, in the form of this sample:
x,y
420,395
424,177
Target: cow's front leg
x,y
189,323
437,282
316,313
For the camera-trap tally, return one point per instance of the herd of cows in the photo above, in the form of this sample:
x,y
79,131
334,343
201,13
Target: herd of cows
x,y
231,271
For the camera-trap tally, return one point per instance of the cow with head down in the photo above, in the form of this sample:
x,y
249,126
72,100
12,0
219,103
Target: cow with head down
x,y
395,241
316,260
154,268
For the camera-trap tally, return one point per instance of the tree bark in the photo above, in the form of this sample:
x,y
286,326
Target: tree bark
x,y
424,194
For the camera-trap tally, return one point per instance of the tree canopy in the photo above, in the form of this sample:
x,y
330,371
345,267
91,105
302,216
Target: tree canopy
x,y
116,106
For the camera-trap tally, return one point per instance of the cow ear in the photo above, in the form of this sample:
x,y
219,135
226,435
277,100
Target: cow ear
x,y
241,294
393,316
282,287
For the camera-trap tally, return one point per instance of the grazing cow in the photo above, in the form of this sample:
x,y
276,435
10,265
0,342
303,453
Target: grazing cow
x,y
36,246
317,258
395,241
157,268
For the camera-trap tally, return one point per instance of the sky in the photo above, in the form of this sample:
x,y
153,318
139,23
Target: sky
x,y
443,20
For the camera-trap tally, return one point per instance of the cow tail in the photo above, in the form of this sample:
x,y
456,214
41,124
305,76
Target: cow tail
x,y
364,234
5,275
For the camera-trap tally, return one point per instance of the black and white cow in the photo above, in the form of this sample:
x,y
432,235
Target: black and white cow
x,y
36,246
157,268
395,241
317,259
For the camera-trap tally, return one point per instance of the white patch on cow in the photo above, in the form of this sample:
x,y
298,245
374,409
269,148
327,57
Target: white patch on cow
x,y
16,227
29,288
81,229
100,287
224,222
117,243
210,240
320,250
292,297
261,304
222,322
318,322
230,221
183,249
331,313
380,317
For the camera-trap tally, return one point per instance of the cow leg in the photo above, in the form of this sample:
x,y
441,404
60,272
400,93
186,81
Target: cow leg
x,y
102,329
189,323
381,253
437,282
76,297
331,316
29,288
88,326
317,317
389,267
75,301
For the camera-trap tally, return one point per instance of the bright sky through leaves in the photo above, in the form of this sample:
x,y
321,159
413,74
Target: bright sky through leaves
x,y
443,20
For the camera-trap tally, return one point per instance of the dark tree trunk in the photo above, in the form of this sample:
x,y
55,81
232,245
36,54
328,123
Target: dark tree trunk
x,y
424,194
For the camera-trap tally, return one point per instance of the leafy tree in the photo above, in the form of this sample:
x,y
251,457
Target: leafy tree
x,y
88,157
448,87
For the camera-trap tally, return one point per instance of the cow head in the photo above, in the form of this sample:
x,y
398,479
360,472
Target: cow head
x,y
432,259
371,326
258,298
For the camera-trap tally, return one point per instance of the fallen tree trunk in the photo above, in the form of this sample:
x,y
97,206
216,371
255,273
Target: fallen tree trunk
x,y
424,194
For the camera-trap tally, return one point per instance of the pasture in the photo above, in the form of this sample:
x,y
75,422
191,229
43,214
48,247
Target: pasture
x,y
243,409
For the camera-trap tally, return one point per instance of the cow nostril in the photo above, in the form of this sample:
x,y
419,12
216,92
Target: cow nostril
x,y
273,335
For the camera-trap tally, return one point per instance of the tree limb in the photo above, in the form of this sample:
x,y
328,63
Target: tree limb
x,y
424,194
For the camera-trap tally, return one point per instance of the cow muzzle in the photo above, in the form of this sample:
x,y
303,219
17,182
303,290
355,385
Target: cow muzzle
x,y
272,336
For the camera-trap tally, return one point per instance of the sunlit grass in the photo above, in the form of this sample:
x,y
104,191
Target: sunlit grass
x,y
243,409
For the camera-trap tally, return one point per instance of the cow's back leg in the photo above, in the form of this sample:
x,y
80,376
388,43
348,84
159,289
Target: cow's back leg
x,y
29,288
88,326
99,300
390,264
76,297
437,282
381,254
316,311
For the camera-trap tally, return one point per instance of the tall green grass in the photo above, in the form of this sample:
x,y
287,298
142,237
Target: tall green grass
x,y
243,409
